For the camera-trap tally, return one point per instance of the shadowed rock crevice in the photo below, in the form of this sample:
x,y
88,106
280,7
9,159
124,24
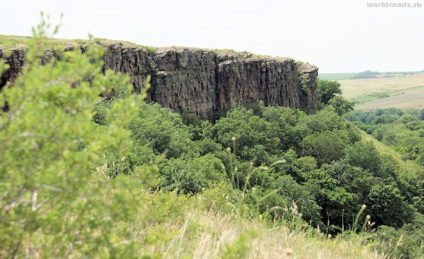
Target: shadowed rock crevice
x,y
203,82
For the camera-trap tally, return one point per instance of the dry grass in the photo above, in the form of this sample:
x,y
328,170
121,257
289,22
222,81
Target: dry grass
x,y
173,226
199,233
216,232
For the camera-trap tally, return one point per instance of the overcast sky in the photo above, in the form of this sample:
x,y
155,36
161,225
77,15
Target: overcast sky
x,y
335,35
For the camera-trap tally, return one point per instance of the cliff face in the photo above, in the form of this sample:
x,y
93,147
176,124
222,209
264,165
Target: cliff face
x,y
15,60
204,82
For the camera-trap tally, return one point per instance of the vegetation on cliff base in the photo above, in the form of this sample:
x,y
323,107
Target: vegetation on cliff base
x,y
82,175
329,93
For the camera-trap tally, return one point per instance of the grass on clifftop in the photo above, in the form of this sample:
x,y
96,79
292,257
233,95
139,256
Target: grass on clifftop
x,y
7,41
10,40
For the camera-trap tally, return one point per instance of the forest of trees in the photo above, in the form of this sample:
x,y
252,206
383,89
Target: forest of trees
x,y
401,129
316,160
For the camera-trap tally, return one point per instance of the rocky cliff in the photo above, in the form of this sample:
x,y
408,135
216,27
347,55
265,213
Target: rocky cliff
x,y
203,82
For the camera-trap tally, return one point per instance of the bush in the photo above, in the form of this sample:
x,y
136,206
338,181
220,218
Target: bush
x,y
253,139
54,159
163,131
326,147
364,155
388,207
294,192
324,120
194,175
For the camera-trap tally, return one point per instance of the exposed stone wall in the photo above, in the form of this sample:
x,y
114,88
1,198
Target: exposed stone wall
x,y
204,82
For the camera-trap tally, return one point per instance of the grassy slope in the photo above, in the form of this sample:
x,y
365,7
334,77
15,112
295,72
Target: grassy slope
x,y
408,166
207,234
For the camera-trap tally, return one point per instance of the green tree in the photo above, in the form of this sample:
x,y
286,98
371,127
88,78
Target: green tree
x,y
324,120
388,207
163,131
249,134
353,179
291,192
284,125
365,155
193,175
341,105
327,90
326,147
338,205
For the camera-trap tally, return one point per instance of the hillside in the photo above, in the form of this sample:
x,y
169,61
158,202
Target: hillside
x,y
409,167
89,169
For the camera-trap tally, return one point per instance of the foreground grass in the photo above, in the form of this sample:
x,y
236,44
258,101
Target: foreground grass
x,y
224,235
169,225
209,234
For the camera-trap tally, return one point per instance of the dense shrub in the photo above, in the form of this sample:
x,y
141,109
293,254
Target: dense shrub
x,y
163,131
326,146
55,162
193,175
388,207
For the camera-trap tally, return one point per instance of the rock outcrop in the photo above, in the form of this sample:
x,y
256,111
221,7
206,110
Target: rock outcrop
x,y
15,60
203,82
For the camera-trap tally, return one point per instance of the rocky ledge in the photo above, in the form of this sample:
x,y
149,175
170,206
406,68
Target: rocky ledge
x,y
203,82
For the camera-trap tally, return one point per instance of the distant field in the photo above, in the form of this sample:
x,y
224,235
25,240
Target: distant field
x,y
385,92
407,100
336,76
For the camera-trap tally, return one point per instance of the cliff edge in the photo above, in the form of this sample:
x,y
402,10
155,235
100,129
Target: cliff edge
x,y
203,82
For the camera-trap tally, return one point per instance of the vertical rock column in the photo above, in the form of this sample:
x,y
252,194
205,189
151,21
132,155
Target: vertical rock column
x,y
185,81
134,61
